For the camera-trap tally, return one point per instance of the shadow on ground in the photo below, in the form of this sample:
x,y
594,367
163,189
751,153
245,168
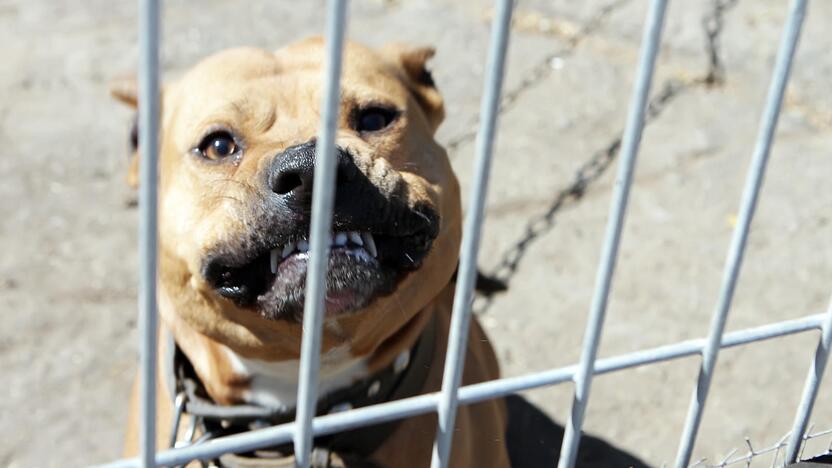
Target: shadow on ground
x,y
534,441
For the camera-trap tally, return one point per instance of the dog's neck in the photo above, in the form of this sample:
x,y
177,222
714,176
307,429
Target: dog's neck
x,y
230,378
274,384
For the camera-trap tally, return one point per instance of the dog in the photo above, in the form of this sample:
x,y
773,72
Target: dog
x,y
237,152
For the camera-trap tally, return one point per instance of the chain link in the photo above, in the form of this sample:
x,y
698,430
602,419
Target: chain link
x,y
713,23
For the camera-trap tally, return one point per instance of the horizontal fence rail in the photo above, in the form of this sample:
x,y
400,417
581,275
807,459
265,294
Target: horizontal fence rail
x,y
445,402
414,406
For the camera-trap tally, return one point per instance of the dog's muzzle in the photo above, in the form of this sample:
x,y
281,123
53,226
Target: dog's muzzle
x,y
376,239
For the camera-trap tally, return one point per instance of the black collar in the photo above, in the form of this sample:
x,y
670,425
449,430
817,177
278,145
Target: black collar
x,y
403,378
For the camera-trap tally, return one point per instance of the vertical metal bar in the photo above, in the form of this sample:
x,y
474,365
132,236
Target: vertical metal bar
x,y
323,194
810,389
603,281
463,296
149,147
736,251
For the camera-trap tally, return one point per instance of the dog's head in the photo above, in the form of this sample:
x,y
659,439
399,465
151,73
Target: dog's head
x,y
237,153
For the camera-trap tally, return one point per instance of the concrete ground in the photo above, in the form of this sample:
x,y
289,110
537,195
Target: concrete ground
x,y
68,262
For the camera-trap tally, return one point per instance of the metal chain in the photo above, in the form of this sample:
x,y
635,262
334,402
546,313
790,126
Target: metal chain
x,y
595,167
713,23
540,71
587,173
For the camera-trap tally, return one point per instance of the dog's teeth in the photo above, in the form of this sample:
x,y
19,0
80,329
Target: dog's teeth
x,y
369,244
288,249
356,238
340,239
303,246
273,260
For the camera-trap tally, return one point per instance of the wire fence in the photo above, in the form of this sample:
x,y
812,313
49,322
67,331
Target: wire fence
x,y
445,403
774,452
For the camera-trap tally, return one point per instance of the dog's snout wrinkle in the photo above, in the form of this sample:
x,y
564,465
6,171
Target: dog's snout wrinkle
x,y
265,268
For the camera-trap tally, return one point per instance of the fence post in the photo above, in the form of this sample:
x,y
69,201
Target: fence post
x,y
463,295
603,281
810,389
149,148
323,195
736,251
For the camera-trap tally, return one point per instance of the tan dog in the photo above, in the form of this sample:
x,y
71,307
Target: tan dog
x,y
237,153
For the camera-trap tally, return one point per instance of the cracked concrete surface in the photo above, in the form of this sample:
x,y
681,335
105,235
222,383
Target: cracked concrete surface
x,y
67,270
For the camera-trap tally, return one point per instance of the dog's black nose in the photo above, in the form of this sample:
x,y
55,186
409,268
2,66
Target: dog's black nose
x,y
292,171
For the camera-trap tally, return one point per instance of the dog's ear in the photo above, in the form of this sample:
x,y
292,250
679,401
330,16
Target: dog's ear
x,y
125,90
413,61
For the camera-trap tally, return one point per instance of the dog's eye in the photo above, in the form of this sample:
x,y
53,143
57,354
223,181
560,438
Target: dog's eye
x,y
374,119
218,145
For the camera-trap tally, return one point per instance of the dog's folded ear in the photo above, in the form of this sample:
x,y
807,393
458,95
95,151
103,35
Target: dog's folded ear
x,y
125,89
413,61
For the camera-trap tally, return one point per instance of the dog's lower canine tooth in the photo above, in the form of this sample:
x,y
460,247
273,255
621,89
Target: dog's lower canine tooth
x,y
340,239
273,260
303,245
369,244
287,249
356,238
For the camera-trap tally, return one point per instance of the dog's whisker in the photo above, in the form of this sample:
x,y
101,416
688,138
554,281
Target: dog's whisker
x,y
227,197
402,310
422,215
409,165
241,183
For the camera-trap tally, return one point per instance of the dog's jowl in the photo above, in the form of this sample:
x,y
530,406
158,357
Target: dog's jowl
x,y
237,155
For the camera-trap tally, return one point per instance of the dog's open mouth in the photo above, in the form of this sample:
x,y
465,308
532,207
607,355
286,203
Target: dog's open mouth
x,y
364,263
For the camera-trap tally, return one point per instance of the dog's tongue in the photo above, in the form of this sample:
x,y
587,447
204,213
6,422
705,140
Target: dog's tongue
x,y
338,302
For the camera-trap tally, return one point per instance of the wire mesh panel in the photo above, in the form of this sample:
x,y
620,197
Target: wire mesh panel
x,y
445,402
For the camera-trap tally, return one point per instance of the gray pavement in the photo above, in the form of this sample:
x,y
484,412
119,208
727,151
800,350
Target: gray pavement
x,y
67,267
